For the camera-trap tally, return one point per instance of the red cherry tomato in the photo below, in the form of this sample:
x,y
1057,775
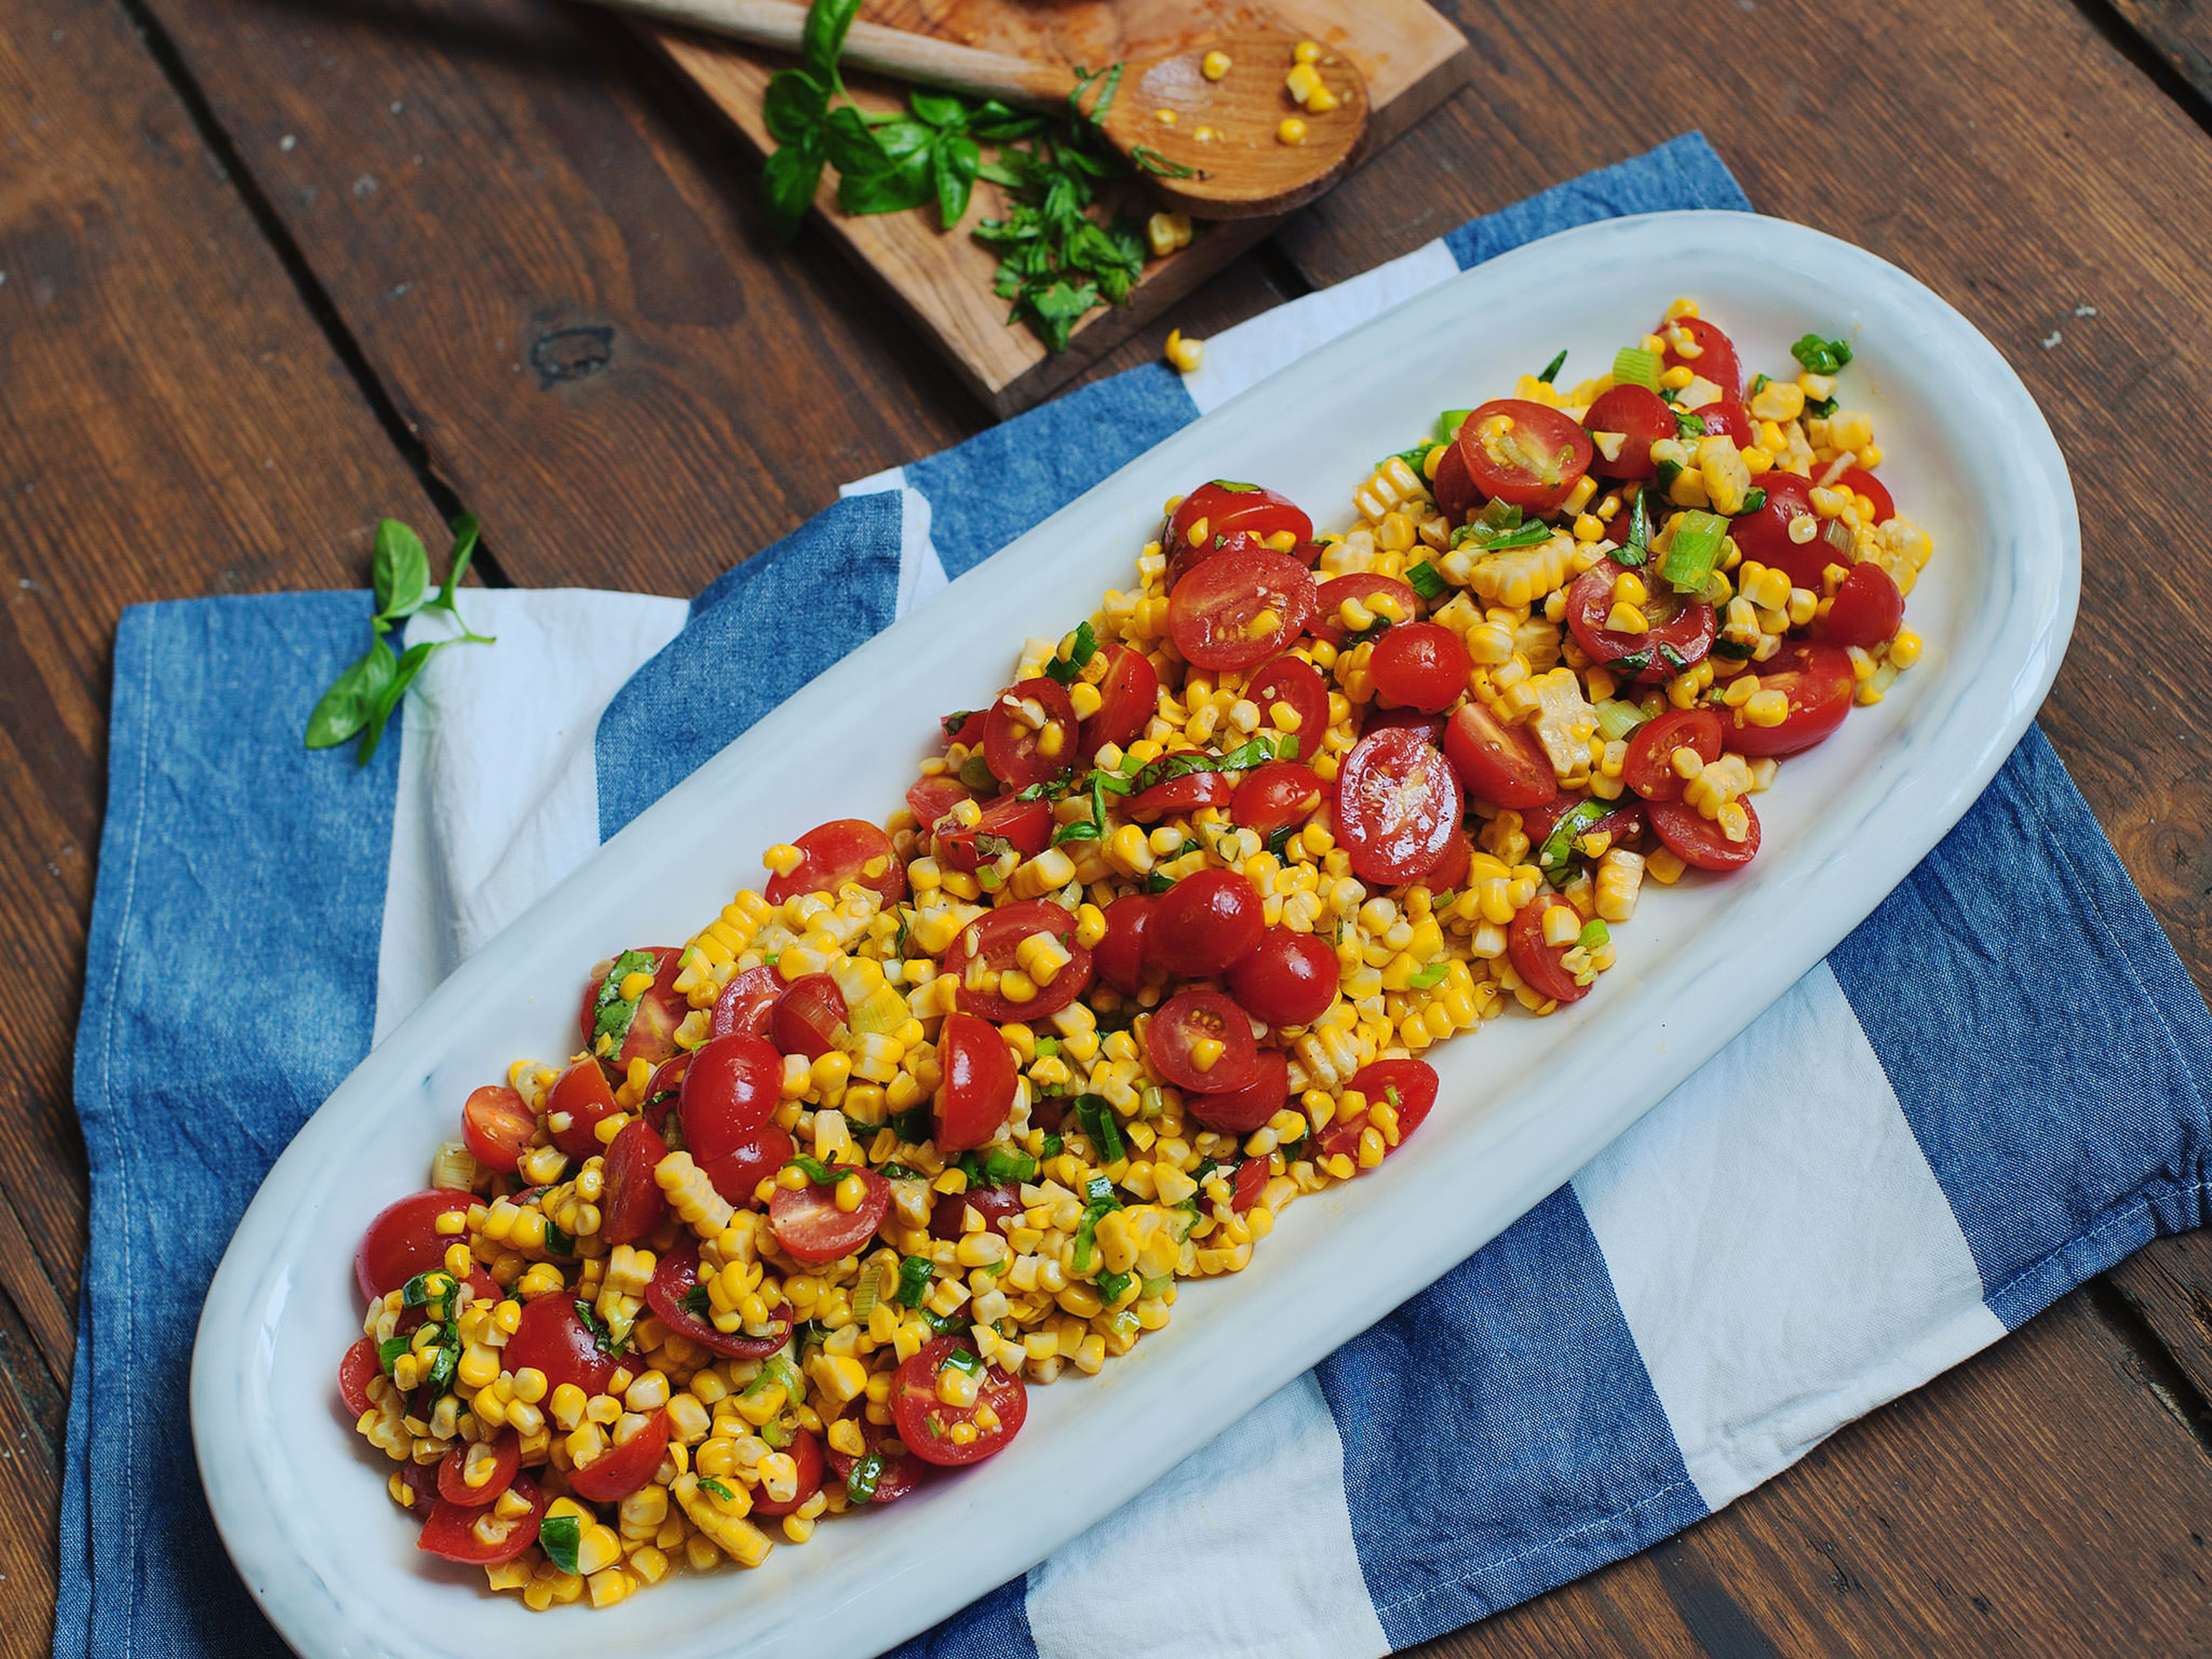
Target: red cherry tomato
x,y
1120,956
737,1174
631,1206
744,1006
996,1207
1430,728
1816,676
1241,1110
404,1240
926,1423
1129,696
734,1085
1228,507
1868,611
807,1017
964,728
1215,609
1286,979
1451,866
931,797
979,1081
451,1530
1715,361
995,939
1623,824
896,1476
1329,597
674,1278
421,1480
1024,825
1397,800
1297,685
810,1226
1204,924
1413,1082
1698,840
663,1092
1538,964
1179,797
1454,487
1189,1018
833,854
651,1034
497,1126
355,1370
1015,751
1683,627
1646,769
624,1468
807,1452
1524,453
1251,1182
1182,560
1642,419
580,1098
452,1473
551,1339
1422,666
1728,418
1762,535
1860,482
1275,796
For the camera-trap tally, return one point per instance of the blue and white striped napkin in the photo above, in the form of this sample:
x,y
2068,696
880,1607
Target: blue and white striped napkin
x,y
1907,1157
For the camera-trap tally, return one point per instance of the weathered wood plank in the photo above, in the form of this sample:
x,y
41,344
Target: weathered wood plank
x,y
2179,31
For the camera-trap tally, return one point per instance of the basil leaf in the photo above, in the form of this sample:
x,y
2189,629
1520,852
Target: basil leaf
x,y
559,1536
788,182
387,699
467,529
814,1170
391,1348
850,145
940,109
861,1485
344,708
1559,850
400,571
698,1304
793,105
955,163
719,1490
907,182
821,42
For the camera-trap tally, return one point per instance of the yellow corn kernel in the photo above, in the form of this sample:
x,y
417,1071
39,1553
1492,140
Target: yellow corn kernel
x,y
1213,65
1291,131
1185,354
1904,650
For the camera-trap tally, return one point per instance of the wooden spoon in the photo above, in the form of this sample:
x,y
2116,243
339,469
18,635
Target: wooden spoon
x,y
1213,149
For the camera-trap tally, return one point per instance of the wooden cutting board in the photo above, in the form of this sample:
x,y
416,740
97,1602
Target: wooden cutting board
x,y
1412,57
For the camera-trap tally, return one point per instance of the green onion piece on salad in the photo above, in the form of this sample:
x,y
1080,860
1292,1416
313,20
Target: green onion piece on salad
x,y
1594,935
1450,421
1427,581
1615,721
1633,365
1696,551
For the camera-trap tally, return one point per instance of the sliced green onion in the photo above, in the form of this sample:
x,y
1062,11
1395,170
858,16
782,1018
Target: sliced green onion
x,y
961,1360
1688,425
1430,976
1004,1164
864,1291
1450,421
1820,408
1427,581
1288,748
1696,551
1500,515
1069,669
1055,1145
1112,1286
1821,356
1553,367
1754,499
1594,935
1668,472
1615,721
558,1535
1558,849
1633,365
915,1274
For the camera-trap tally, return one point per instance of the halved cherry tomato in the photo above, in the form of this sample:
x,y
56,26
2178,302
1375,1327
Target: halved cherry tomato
x,y
964,728
997,1207
807,1452
631,1206
1213,611
1726,418
554,1340
1624,823
1868,611
1185,558
1329,597
1646,769
894,1477
1454,487
1816,676
1696,840
1422,666
1762,535
1275,796
1251,1182
497,1126
664,1092
651,1033
1227,506
744,1006
1715,360
1860,482
1016,751
404,1240
1204,924
1683,627
1397,800
806,1017
1189,1018
1451,866
931,797
675,1276
421,1480
1412,1082
1297,685
1119,958
450,1531
979,1081
1178,797
833,854
734,1085
996,940
1024,825
1524,453
1538,964
737,1174
926,1423
580,1098
1430,728
810,1226
625,1467
1641,418
356,1370
1128,698
1239,1110
1287,979
452,1473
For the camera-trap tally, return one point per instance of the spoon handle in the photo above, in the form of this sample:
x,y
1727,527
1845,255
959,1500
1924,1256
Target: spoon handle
x,y
914,58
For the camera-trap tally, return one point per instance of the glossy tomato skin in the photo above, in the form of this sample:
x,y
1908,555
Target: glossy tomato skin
x,y
1502,764
1762,535
1454,487
1185,1018
899,1475
1422,666
1867,611
651,1034
631,1206
1451,866
1204,924
1024,825
1265,1091
1538,964
1128,697
1182,560
1228,507
497,1126
1624,823
1414,1082
995,939
931,797
978,1087
1397,801
452,1473
1297,685
1178,796
998,1208
1642,419
404,1240
1685,627
1816,676
806,1452
744,1007
1699,842
1275,796
1727,419
1287,979
733,1087
1015,751
1717,359
674,1276
1646,768
1212,609
1534,461
833,854
450,1532
356,1370
1860,482
1119,956
1328,602
622,1470
580,1098
737,1174
806,1016
553,1340
810,1226
1251,1182
925,1424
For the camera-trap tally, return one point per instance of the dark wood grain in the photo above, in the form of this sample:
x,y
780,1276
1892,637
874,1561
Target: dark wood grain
x,y
2179,31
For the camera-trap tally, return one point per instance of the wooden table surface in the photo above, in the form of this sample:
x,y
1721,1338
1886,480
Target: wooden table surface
x,y
270,269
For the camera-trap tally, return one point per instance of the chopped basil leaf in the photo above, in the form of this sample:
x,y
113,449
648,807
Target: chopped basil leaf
x,y
1759,384
1069,669
1558,849
696,1302
961,1360
954,721
558,1535
1279,841
389,1349
611,1012
815,1170
1639,546
718,1489
558,1242
861,1485
602,1338
1157,883
912,1126
1553,368
1667,471
1754,499
1688,425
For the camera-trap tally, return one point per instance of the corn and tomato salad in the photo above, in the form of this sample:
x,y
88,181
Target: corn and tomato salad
x,y
952,1104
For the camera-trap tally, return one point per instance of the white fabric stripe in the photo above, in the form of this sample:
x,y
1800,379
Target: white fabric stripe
x,y
1244,355
922,571
1780,1247
1245,1548
498,788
